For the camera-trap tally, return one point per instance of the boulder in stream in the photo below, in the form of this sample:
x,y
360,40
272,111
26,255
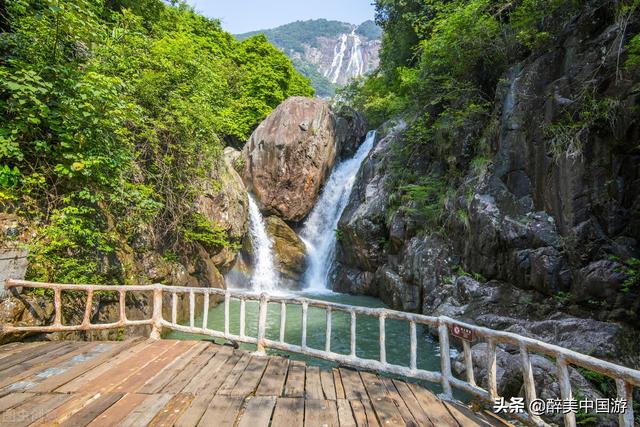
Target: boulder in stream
x,y
289,251
290,154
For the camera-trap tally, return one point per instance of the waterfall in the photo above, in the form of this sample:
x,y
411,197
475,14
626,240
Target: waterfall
x,y
338,59
265,276
354,67
319,230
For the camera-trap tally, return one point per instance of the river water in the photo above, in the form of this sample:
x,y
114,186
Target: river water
x,y
367,344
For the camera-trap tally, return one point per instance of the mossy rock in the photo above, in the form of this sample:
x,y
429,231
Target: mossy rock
x,y
289,249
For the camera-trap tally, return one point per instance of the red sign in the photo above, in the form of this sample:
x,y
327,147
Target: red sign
x,y
461,332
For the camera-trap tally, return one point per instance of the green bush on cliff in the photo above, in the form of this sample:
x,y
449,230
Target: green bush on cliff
x,y
112,114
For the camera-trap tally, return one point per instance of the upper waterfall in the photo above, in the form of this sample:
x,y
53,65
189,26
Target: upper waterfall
x,y
319,230
348,59
265,276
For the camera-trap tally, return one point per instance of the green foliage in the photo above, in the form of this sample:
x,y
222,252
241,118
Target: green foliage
x,y
369,30
460,272
293,36
633,60
68,247
370,96
562,297
587,115
584,417
323,86
198,229
424,198
603,383
539,22
120,109
631,268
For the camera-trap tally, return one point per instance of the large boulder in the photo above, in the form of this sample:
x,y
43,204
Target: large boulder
x,y
289,251
226,205
289,156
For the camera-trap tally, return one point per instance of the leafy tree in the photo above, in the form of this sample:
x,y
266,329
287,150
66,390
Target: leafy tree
x,y
113,116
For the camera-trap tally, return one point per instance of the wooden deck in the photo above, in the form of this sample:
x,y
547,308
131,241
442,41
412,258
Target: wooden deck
x,y
189,383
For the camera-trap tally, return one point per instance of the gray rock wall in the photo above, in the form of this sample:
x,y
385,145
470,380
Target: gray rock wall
x,y
544,230
13,265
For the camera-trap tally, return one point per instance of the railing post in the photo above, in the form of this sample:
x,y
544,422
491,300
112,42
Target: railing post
x,y
353,334
492,385
122,306
86,319
262,323
468,362
242,317
382,338
327,333
174,308
227,300
625,392
205,312
413,352
565,389
529,383
283,320
305,308
192,308
57,305
445,358
156,326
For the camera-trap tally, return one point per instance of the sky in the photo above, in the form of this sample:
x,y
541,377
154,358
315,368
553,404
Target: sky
x,y
241,16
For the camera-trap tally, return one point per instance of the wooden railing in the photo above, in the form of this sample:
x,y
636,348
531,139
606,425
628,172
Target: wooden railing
x,y
625,378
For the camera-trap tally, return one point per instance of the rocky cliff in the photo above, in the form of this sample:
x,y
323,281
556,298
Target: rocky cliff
x,y
339,59
329,53
532,239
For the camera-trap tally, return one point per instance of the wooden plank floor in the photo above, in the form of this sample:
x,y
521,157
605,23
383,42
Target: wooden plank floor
x,y
195,383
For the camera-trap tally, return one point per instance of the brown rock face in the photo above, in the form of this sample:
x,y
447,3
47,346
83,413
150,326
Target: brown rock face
x,y
289,156
226,205
289,251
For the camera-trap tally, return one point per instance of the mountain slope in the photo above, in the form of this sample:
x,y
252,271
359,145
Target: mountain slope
x,y
329,53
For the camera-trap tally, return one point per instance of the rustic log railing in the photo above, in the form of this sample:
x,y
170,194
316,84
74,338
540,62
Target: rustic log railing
x,y
625,378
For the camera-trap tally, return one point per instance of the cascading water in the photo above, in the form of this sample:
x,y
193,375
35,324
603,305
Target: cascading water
x,y
319,230
354,67
265,276
338,59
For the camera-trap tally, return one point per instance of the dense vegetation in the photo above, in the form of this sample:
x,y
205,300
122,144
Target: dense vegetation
x,y
441,63
369,30
113,116
293,36
323,86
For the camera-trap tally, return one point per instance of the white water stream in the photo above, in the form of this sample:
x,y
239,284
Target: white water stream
x,y
265,275
348,60
319,230
338,59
